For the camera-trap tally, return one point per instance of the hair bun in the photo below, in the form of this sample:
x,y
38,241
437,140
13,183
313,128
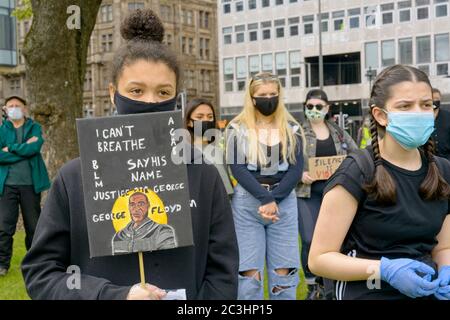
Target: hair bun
x,y
143,25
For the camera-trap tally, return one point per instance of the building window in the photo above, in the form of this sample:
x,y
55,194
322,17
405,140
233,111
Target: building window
x,y
204,19
190,79
388,53
14,84
294,68
266,34
441,47
253,35
226,8
280,32
239,6
166,13
228,74
423,12
227,35
371,52
168,39
281,66
205,81
187,17
423,46
191,46
135,5
204,49
354,22
107,13
442,69
251,4
308,28
388,17
338,18
107,42
293,30
405,48
241,72
88,81
441,9
370,15
279,2
253,65
240,30
405,10
265,3
267,62
308,24
88,110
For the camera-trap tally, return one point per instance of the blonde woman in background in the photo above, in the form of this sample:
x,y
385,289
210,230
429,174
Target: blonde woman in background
x,y
264,151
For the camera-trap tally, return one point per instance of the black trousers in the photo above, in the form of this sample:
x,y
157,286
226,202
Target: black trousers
x,y
30,205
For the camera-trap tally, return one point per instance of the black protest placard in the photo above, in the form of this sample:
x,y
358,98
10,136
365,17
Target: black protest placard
x,y
136,198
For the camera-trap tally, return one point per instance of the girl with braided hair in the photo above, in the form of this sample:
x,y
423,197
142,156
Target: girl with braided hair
x,y
386,235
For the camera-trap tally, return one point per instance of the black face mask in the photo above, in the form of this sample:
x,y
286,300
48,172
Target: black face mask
x,y
266,106
125,105
204,125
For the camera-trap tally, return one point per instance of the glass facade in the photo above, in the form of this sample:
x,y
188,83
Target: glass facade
x,y
8,50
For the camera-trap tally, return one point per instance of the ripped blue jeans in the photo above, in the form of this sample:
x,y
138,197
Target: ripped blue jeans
x,y
261,241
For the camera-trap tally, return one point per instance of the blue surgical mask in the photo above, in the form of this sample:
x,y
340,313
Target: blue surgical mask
x,y
410,129
15,113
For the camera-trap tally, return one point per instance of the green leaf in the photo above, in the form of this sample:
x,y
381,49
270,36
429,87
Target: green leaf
x,y
23,12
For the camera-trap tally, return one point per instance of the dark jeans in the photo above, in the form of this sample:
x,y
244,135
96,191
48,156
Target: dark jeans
x,y
30,205
308,212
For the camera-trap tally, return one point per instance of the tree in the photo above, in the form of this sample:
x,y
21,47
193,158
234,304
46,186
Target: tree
x,y
55,51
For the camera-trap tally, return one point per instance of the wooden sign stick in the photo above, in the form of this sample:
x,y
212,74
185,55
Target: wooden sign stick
x,y
141,269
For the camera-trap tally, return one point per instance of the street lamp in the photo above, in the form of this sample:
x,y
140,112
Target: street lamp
x,y
370,74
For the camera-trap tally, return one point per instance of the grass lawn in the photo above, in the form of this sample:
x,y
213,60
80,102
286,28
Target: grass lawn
x,y
302,289
12,286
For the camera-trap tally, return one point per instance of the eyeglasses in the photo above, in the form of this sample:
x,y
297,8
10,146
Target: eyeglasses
x,y
318,107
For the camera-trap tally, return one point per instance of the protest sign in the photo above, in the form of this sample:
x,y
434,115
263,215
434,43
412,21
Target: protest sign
x,y
136,198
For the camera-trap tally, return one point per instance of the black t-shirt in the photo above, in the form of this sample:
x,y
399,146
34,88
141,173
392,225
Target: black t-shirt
x,y
407,229
442,134
325,148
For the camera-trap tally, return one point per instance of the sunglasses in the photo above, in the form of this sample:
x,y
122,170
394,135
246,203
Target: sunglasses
x,y
318,107
436,104
265,77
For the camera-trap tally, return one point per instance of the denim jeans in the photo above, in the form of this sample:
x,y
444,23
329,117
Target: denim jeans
x,y
261,241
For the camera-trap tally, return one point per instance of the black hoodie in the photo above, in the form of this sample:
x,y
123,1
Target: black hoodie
x,y
208,270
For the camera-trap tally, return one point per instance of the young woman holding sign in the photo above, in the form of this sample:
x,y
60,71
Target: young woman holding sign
x,y
145,79
265,155
323,139
389,220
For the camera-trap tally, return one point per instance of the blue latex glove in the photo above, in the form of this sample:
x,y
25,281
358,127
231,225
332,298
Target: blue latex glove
x,y
443,292
403,275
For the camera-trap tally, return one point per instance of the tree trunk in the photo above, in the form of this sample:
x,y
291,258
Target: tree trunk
x,y
55,66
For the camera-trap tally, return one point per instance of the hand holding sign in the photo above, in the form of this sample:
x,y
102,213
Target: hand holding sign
x,y
322,168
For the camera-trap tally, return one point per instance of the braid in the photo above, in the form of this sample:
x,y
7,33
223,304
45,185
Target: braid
x,y
382,186
433,187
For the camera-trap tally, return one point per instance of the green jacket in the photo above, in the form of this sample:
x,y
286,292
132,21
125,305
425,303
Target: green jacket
x,y
18,152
